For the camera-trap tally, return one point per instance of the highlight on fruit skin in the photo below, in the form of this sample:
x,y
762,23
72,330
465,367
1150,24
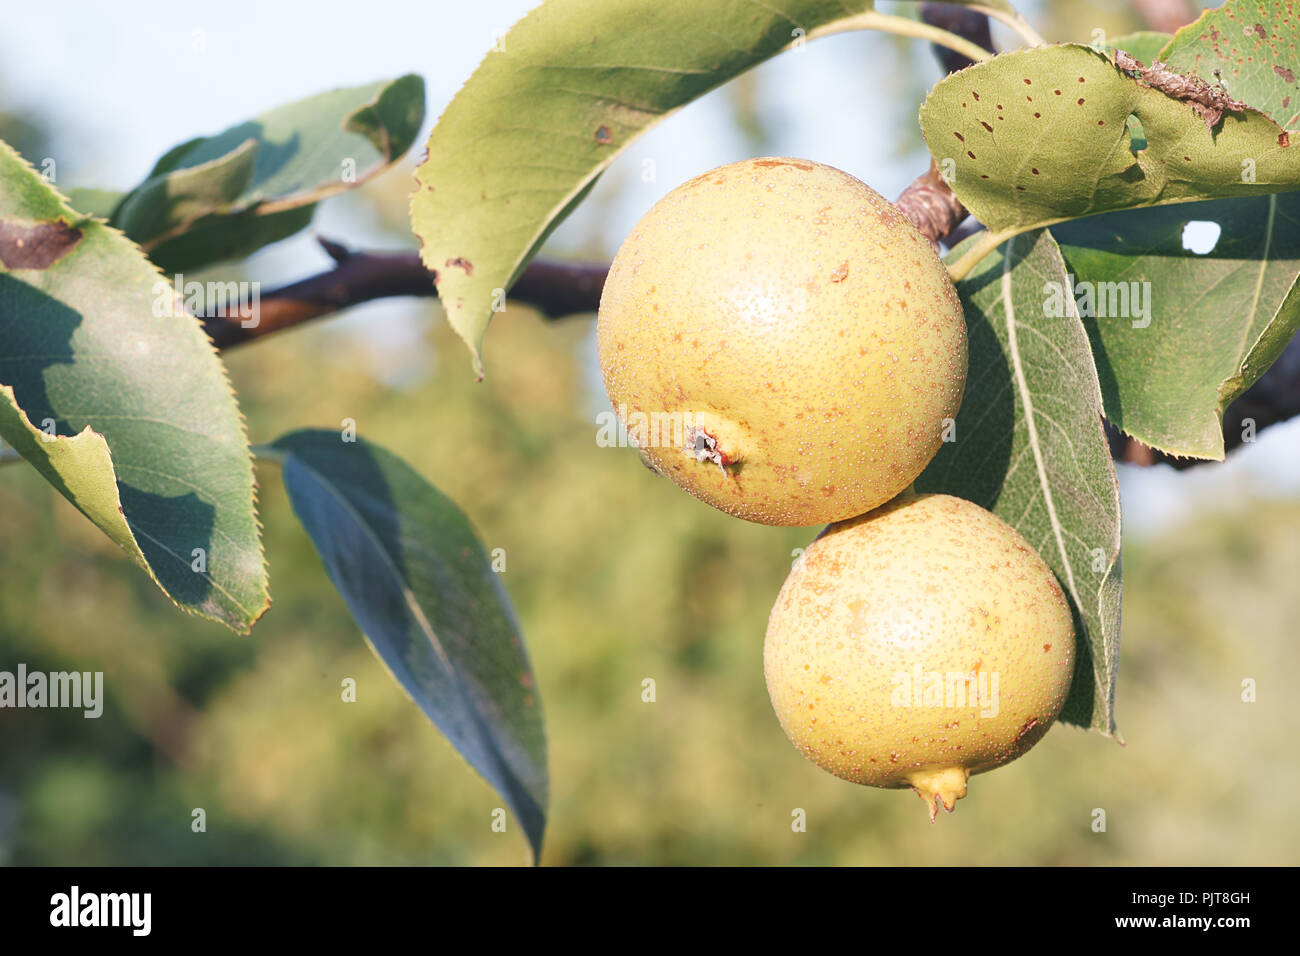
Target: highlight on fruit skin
x,y
780,341
917,645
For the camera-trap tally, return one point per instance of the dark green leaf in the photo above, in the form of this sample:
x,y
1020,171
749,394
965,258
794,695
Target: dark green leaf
x,y
168,204
420,585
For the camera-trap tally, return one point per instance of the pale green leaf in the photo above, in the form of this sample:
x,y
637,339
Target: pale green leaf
x,y
1029,446
567,90
1144,45
94,202
1034,137
114,393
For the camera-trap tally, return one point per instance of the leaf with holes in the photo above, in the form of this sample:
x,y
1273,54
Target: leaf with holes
x,y
1177,336
114,394
1029,446
420,585
1253,48
1144,46
560,97
1035,137
225,196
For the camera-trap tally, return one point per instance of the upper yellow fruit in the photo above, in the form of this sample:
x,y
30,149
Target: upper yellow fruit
x,y
917,645
782,342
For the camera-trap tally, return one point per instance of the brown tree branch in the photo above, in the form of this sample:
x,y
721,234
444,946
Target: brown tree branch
x,y
554,288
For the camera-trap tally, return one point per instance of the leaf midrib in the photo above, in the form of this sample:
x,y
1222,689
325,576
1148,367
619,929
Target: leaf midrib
x,y
1009,310
422,622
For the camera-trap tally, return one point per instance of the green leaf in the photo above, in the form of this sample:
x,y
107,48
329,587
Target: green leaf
x,y
94,202
117,397
1034,137
1213,324
169,203
79,466
225,196
572,85
420,585
1254,46
1029,446
1145,46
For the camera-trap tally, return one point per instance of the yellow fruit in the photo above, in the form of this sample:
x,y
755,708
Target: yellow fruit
x,y
918,644
782,342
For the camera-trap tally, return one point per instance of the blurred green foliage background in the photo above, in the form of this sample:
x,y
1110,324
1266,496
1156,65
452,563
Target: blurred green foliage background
x,y
617,577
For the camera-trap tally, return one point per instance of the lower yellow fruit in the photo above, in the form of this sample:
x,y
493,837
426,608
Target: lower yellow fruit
x,y
918,644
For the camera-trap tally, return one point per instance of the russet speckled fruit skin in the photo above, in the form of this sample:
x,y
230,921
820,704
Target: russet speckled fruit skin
x,y
885,617
798,327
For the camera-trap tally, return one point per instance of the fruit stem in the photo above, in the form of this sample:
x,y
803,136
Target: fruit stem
x,y
945,786
901,26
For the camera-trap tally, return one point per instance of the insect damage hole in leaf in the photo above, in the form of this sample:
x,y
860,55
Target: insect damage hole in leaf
x,y
1200,236
1137,137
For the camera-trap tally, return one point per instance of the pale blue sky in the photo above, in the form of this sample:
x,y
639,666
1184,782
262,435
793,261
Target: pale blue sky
x,y
122,82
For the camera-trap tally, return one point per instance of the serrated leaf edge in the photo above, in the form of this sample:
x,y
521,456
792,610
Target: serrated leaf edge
x,y
80,220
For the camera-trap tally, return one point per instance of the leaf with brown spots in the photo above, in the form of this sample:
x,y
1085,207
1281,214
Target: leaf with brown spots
x,y
115,395
1087,156
1252,47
